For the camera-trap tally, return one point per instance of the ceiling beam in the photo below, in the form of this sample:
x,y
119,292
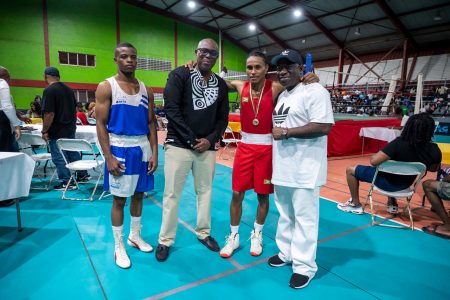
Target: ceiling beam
x,y
318,17
437,6
176,17
237,8
171,5
410,12
316,23
396,21
258,17
243,17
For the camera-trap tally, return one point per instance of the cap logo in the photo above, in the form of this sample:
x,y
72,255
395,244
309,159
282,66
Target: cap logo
x,y
285,52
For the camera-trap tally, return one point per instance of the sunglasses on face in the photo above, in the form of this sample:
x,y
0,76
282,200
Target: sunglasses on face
x,y
206,51
289,68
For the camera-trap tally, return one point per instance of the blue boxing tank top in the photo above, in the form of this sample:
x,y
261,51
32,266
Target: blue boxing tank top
x,y
129,113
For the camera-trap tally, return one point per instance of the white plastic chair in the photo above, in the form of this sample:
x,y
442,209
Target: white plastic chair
x,y
100,151
227,140
27,141
80,165
397,168
92,121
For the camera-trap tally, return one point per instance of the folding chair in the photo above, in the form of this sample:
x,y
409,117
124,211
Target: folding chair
x,y
227,140
27,142
100,151
398,168
80,165
92,121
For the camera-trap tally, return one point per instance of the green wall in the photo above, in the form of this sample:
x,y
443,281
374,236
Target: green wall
x,y
83,26
153,37
22,38
89,27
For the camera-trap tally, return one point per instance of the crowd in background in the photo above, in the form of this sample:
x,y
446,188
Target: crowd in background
x,y
436,102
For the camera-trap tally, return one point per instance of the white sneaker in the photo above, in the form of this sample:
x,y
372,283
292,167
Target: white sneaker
x,y
135,240
231,244
256,243
120,255
139,243
349,206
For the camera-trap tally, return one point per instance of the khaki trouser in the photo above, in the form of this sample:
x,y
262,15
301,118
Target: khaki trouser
x,y
178,163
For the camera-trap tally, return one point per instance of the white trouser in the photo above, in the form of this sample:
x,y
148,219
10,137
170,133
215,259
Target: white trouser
x,y
298,225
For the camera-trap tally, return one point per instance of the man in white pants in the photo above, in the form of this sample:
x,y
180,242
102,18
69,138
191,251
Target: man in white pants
x,y
302,120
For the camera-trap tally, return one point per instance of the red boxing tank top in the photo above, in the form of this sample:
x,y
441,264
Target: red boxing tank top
x,y
265,110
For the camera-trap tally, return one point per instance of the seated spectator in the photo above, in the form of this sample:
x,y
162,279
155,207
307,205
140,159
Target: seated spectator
x,y
35,110
159,111
414,145
397,113
38,99
90,109
81,115
436,191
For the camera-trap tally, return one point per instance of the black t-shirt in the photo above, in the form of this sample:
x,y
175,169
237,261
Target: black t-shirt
x,y
195,109
429,154
60,99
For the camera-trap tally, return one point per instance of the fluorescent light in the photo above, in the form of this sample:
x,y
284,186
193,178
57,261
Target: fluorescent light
x,y
191,4
297,13
252,27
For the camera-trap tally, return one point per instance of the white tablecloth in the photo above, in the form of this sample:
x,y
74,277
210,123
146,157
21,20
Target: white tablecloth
x,y
379,133
17,170
86,132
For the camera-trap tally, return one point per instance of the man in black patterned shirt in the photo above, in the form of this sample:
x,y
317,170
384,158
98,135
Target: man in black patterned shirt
x,y
196,105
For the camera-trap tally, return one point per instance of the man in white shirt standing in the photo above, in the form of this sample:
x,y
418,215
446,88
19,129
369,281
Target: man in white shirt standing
x,y
8,121
8,118
302,120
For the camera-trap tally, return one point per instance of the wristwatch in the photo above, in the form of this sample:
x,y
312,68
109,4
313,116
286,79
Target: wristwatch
x,y
284,132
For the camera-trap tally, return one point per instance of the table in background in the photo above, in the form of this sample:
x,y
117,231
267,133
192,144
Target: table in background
x,y
378,133
18,169
85,132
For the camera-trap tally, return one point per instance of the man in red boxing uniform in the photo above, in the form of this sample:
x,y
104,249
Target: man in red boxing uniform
x,y
252,167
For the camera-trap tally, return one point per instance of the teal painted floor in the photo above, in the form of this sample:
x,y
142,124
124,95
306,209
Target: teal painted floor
x,y
66,251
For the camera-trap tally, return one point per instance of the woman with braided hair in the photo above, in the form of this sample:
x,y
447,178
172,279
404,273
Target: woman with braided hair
x,y
414,145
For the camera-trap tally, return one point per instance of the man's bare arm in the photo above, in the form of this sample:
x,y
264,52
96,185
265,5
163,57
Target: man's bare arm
x,y
103,96
235,85
379,158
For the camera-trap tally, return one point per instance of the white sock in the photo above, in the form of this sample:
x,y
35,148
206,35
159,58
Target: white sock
x,y
258,227
234,229
135,226
117,233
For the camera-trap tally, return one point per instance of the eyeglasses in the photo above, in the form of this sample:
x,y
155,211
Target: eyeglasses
x,y
206,51
289,68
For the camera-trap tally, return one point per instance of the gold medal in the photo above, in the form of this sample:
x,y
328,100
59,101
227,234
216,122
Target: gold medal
x,y
256,110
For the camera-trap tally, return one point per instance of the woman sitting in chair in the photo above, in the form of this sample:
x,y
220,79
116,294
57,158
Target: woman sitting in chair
x,y
414,145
